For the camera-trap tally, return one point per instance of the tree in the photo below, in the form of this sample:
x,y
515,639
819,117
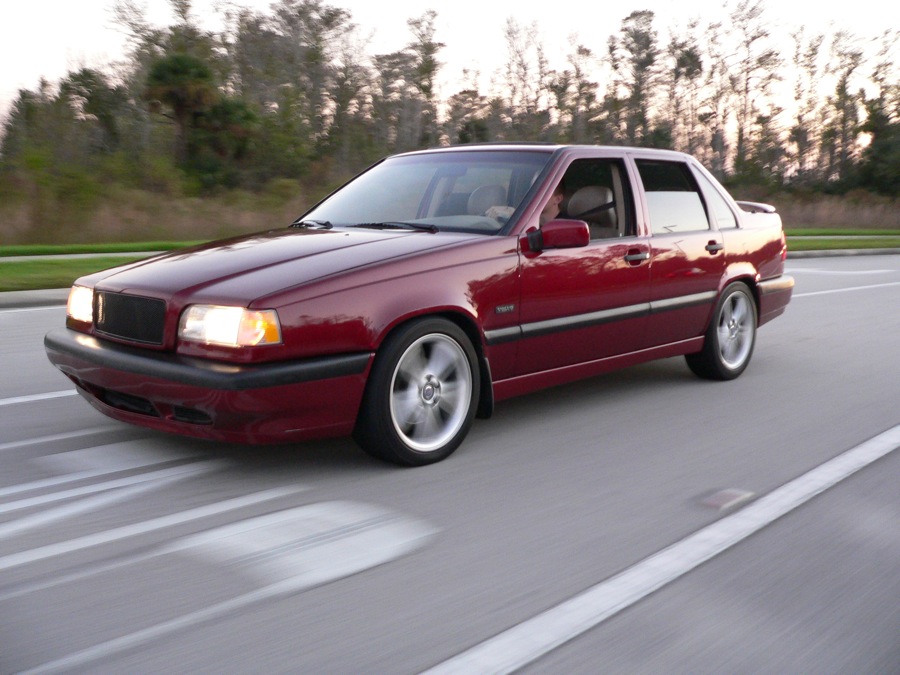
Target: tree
x,y
425,69
880,163
527,95
89,93
839,139
633,56
682,79
806,130
754,73
185,85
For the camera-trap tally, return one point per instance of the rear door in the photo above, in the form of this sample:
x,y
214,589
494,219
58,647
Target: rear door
x,y
687,256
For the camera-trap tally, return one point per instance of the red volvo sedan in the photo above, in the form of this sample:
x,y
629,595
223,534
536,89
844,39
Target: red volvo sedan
x,y
424,291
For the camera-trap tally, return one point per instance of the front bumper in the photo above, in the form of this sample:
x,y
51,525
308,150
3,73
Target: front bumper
x,y
245,403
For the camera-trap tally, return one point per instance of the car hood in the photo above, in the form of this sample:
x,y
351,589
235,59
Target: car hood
x,y
246,268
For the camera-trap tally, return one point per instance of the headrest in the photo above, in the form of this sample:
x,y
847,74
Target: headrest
x,y
586,199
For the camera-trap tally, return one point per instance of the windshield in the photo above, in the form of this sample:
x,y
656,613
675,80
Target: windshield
x,y
472,191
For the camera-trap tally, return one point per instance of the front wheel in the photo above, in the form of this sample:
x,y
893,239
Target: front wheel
x,y
730,337
421,396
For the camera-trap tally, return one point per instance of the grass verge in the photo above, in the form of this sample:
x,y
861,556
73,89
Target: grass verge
x,y
30,275
25,275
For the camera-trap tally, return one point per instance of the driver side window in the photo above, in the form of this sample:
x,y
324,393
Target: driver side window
x,y
596,193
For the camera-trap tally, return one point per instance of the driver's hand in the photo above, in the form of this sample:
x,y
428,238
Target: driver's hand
x,y
499,212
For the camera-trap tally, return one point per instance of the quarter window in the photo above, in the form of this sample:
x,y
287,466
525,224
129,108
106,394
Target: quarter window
x,y
673,198
724,215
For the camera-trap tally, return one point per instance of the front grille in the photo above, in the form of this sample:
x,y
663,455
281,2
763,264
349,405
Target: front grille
x,y
130,317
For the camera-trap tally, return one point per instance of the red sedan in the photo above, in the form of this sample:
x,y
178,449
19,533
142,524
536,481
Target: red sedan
x,y
424,291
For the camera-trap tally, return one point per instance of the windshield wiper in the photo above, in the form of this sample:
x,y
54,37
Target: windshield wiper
x,y
318,224
399,225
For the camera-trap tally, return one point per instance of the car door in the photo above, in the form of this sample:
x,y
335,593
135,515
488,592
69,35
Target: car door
x,y
584,304
687,256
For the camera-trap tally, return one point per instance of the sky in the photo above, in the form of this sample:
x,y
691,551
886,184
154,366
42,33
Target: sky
x,y
48,38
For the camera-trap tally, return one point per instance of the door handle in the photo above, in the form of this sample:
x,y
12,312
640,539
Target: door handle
x,y
637,256
714,246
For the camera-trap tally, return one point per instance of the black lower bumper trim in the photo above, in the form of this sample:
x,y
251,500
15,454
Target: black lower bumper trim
x,y
198,372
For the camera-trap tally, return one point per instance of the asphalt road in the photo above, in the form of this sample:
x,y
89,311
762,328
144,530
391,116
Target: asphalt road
x,y
581,530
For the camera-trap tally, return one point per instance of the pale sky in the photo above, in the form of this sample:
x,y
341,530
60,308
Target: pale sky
x,y
51,37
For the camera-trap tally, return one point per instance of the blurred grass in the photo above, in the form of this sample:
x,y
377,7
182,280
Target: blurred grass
x,y
29,275
821,243
53,272
74,249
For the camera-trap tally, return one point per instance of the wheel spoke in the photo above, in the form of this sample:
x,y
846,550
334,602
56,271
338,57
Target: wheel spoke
x,y
429,427
739,310
413,366
724,335
407,406
451,395
443,360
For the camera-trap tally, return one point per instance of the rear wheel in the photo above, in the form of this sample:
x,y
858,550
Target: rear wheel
x,y
421,396
730,337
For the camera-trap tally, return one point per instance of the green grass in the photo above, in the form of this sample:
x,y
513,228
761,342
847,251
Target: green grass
x,y
29,275
832,232
821,243
55,249
23,275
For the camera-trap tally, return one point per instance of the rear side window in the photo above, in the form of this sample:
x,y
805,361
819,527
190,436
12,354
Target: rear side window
x,y
673,198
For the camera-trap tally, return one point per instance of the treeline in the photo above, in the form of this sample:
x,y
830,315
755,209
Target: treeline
x,y
292,93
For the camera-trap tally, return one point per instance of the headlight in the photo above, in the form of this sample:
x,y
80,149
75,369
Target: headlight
x,y
80,306
229,326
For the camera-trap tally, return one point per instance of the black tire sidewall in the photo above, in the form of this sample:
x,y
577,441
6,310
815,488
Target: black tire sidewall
x,y
375,431
708,363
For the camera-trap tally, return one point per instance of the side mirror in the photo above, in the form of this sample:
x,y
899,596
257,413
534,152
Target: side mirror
x,y
562,233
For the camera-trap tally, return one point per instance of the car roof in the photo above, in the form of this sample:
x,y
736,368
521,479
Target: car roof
x,y
548,147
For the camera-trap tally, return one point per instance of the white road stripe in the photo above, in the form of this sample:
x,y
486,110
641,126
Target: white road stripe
x,y
539,635
182,470
42,308
56,437
845,290
836,273
87,541
316,543
37,397
85,505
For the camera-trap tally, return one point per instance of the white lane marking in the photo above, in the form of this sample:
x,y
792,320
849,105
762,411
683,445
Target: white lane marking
x,y
56,437
819,270
42,308
845,290
183,470
107,498
302,547
60,548
37,397
101,460
119,456
535,637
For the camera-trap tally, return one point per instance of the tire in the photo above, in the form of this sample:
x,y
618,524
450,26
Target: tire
x,y
730,337
421,396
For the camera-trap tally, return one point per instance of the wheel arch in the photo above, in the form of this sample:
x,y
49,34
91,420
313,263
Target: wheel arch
x,y
467,325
